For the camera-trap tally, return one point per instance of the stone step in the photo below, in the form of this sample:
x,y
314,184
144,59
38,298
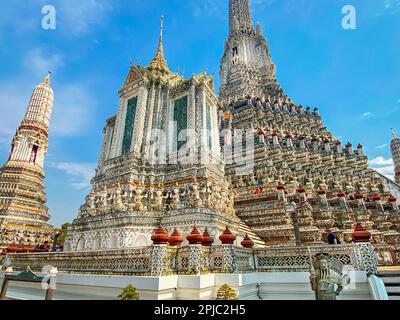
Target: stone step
x,y
243,227
393,290
389,273
397,298
391,280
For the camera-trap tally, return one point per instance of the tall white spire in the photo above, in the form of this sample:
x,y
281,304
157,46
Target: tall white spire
x,y
246,53
41,104
395,150
30,142
24,213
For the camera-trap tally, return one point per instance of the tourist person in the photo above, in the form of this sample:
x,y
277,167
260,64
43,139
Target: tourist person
x,y
333,238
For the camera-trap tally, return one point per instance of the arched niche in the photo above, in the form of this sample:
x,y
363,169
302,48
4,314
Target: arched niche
x,y
67,247
97,243
114,241
141,241
81,244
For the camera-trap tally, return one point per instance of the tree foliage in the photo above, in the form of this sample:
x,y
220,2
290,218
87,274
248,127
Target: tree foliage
x,y
129,293
226,293
60,240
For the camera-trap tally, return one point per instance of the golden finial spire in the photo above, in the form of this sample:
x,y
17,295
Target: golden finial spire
x,y
159,65
161,27
47,79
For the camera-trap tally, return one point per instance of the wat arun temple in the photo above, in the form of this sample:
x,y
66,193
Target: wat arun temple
x,y
189,182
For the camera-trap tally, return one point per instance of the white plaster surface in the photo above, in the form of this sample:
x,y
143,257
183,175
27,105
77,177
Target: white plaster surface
x,y
252,286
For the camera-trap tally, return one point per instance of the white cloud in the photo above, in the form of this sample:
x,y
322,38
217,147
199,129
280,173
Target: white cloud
x,y
383,166
367,115
382,146
40,63
79,174
381,161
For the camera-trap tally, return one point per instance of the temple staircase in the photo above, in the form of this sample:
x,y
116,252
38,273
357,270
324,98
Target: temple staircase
x,y
391,279
243,227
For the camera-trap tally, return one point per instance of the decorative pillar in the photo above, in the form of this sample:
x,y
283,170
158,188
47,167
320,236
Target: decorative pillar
x,y
119,128
195,239
281,192
302,194
360,150
349,148
139,120
378,201
392,201
360,200
158,254
151,105
366,254
228,252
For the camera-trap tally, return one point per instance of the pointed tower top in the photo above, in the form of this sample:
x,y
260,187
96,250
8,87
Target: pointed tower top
x,y
161,26
159,64
240,11
394,134
47,79
258,29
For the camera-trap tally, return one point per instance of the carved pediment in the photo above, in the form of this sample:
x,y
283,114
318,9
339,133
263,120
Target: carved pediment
x,y
133,76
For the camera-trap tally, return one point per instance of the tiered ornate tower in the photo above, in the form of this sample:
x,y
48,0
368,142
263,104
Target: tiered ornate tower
x,y
23,214
295,157
395,148
160,163
246,66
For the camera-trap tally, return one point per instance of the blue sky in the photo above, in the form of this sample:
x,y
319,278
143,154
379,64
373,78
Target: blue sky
x,y
353,76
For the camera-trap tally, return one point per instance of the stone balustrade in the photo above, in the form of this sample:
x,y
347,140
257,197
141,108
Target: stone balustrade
x,y
161,260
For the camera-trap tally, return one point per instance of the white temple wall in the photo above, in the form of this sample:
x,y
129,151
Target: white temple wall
x,y
252,286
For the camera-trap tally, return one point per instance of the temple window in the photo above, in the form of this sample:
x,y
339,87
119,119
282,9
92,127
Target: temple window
x,y
180,116
129,125
34,154
235,51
